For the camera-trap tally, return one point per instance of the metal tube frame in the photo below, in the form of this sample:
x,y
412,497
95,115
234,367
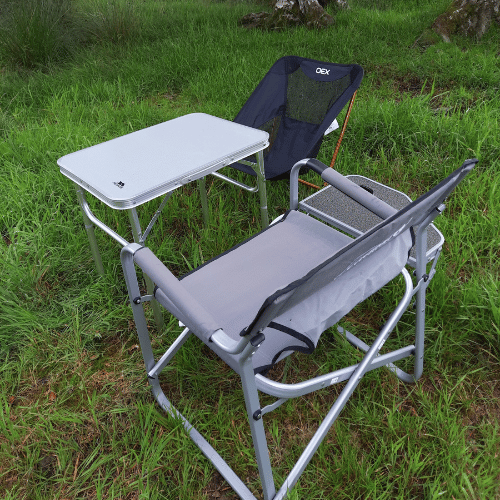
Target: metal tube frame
x,y
153,369
258,168
89,228
90,220
202,188
423,279
150,286
252,383
234,182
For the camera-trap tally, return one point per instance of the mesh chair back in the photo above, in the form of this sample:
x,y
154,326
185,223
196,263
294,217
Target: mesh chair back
x,y
295,103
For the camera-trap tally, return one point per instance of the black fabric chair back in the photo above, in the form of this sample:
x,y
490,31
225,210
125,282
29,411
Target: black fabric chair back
x,y
295,103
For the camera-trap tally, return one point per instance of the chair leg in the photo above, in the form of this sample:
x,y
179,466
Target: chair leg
x,y
130,274
257,425
217,461
205,447
153,371
421,274
362,368
344,126
137,233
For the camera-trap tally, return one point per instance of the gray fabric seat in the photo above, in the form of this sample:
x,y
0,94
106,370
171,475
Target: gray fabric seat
x,y
234,285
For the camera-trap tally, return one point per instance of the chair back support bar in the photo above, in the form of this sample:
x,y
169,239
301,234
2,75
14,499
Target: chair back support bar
x,y
380,254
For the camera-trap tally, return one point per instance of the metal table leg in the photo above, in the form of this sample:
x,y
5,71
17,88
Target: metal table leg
x,y
204,201
136,232
261,183
89,227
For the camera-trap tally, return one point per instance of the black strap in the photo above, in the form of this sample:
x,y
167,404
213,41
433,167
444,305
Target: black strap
x,y
413,240
293,333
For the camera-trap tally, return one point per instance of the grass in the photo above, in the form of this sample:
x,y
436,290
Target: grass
x,y
35,34
77,419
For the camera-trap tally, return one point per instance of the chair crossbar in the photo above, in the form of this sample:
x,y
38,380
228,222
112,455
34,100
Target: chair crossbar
x,y
289,391
402,375
273,406
170,353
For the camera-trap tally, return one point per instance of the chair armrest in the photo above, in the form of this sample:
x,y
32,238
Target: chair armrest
x,y
332,177
194,315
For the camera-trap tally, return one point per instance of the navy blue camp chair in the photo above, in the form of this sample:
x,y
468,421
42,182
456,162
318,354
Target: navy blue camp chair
x,y
297,102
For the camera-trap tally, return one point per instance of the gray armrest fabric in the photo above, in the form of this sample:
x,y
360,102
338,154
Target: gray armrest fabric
x,y
194,315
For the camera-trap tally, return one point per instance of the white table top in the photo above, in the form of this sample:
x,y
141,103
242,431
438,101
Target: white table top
x,y
138,167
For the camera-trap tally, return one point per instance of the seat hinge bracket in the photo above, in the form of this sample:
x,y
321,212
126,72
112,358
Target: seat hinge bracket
x,y
140,300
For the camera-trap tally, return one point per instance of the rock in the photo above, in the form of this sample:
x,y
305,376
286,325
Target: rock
x,y
467,18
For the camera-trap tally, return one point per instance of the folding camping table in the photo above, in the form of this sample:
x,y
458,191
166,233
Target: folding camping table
x,y
138,167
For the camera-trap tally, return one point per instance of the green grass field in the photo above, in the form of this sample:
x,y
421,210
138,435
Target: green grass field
x,y
77,420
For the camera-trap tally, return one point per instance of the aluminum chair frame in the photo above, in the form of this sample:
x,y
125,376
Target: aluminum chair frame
x,y
247,345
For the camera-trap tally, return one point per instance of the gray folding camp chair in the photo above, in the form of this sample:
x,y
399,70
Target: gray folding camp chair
x,y
276,293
